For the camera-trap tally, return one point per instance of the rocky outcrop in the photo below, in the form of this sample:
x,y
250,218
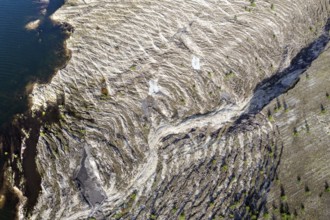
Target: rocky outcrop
x,y
149,102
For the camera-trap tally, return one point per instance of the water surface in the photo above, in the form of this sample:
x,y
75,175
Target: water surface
x,y
26,56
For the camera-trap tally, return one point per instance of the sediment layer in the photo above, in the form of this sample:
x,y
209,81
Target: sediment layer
x,y
146,102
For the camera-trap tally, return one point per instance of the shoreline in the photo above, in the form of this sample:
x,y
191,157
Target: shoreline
x,y
23,122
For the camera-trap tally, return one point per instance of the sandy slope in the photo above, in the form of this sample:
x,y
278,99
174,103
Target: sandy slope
x,y
149,92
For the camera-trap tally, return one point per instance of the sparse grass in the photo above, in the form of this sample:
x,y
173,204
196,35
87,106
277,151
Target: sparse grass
x,y
153,217
133,196
229,75
72,3
271,118
133,67
62,116
118,215
284,198
224,168
82,131
182,216
266,215
253,3
234,206
277,109
286,216
295,132
272,6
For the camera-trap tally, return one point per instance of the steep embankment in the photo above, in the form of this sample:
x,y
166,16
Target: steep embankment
x,y
146,102
302,118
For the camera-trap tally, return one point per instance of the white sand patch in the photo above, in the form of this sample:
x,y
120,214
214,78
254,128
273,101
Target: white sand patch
x,y
153,87
195,63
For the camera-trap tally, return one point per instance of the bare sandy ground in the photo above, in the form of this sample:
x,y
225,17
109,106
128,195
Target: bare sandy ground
x,y
149,93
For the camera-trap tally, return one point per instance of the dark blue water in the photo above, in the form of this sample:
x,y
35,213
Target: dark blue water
x,y
26,56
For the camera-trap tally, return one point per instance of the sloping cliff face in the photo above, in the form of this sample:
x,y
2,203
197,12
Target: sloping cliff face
x,y
149,107
301,188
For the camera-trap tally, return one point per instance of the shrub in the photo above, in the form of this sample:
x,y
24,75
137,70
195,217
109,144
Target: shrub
x,y
224,168
104,91
253,3
272,6
153,216
182,216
